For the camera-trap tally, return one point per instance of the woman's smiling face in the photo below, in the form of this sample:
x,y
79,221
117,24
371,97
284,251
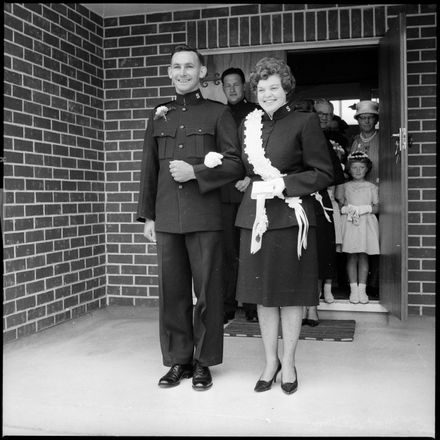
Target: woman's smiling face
x,y
270,93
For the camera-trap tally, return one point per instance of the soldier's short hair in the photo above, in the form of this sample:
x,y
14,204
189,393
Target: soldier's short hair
x,y
234,70
186,48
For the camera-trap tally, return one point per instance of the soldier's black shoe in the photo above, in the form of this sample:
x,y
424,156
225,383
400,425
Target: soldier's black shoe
x,y
202,379
175,373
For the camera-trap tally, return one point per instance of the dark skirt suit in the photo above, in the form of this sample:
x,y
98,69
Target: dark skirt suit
x,y
188,223
275,276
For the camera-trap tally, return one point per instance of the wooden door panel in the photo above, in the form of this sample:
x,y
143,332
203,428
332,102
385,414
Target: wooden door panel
x,y
393,170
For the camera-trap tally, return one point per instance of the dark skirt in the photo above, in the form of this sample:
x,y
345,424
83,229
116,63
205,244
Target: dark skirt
x,y
274,276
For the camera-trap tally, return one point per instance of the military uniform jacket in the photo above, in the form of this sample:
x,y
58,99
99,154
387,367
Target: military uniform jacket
x,y
296,145
192,127
230,193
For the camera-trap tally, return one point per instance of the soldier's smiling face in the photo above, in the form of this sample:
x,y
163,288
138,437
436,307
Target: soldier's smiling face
x,y
185,71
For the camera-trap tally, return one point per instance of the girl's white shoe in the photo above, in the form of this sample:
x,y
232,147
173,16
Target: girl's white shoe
x,y
354,293
328,297
363,297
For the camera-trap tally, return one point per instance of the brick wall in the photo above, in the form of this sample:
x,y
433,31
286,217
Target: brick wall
x,y
77,91
54,225
136,56
422,171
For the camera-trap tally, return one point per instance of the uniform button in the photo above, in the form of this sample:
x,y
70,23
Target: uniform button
x,y
184,109
182,126
180,145
199,130
162,133
180,186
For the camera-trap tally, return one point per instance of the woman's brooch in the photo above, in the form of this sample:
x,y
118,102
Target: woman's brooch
x,y
161,112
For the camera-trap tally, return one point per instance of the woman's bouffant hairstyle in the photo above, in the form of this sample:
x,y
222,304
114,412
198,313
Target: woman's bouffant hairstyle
x,y
359,156
269,66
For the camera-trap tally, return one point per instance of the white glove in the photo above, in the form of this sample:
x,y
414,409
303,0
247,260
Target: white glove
x,y
278,187
364,209
213,159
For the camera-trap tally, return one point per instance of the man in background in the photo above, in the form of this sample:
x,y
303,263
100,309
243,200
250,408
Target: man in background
x,y
233,81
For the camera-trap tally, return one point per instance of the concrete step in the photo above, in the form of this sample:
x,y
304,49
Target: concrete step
x,y
373,312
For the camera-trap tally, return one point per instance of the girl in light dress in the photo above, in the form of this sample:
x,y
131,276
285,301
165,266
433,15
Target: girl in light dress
x,y
359,203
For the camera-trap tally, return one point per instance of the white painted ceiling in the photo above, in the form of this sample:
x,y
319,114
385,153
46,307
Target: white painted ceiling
x,y
121,9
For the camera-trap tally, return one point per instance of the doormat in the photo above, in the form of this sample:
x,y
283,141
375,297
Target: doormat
x,y
337,330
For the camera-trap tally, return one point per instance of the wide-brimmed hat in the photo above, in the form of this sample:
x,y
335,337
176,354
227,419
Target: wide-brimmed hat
x,y
364,107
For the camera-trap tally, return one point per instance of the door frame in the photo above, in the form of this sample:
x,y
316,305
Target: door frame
x,y
373,41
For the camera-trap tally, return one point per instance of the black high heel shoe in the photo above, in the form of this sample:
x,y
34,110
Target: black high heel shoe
x,y
263,385
290,387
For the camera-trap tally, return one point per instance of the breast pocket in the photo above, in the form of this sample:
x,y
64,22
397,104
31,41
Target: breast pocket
x,y
166,139
200,140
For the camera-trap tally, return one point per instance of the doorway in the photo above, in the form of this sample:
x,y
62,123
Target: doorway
x,y
343,76
355,71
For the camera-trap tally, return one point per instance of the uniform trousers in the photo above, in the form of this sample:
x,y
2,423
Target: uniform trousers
x,y
190,333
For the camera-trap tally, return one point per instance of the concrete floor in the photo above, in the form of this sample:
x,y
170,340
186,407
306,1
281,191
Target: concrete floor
x,y
97,375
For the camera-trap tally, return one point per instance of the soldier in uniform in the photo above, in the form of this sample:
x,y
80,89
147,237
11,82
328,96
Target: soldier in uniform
x,y
233,81
190,151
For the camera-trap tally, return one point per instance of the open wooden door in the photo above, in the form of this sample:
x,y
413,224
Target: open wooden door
x,y
393,178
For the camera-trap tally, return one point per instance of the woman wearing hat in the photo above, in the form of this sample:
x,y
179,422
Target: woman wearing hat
x,y
367,141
